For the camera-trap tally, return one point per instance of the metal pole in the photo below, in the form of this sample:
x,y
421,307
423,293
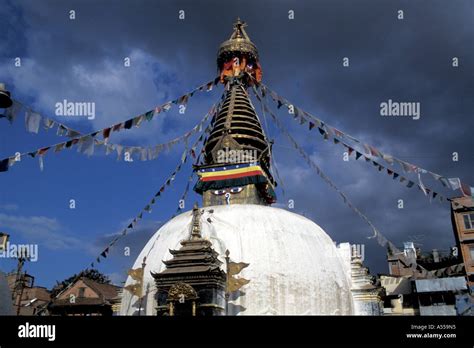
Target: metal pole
x,y
227,259
140,306
141,290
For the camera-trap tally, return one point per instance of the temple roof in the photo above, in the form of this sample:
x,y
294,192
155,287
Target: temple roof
x,y
196,254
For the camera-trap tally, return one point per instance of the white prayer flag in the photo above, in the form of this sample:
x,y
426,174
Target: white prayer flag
x,y
32,120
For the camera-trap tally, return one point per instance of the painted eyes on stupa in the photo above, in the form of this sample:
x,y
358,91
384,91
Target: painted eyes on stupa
x,y
232,190
236,189
219,192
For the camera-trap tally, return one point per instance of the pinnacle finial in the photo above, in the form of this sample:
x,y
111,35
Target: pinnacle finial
x,y
239,32
239,23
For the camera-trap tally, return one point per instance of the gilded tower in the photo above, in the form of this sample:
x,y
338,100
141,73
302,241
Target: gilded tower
x,y
237,153
237,189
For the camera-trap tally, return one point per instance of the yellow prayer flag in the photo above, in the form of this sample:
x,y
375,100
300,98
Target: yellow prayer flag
x,y
234,284
136,274
236,268
134,289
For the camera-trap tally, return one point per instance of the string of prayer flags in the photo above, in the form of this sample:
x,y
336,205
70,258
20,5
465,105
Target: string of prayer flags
x,y
325,130
33,120
407,167
382,240
402,179
86,144
409,183
182,200
370,154
134,222
168,181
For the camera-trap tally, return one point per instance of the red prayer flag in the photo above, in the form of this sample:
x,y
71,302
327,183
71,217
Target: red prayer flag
x,y
106,133
43,151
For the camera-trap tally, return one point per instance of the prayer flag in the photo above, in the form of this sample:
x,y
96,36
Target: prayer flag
x,y
455,183
48,123
149,115
128,124
32,120
106,134
4,165
61,130
12,112
72,133
467,190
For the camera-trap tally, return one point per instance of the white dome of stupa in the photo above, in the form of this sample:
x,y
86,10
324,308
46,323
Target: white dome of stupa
x,y
295,267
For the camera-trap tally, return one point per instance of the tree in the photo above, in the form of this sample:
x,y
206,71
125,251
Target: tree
x,y
92,274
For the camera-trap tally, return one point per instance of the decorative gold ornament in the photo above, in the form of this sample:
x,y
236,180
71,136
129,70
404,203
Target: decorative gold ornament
x,y
178,290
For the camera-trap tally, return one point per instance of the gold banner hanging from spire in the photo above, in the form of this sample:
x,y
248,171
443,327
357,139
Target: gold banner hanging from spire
x,y
234,284
234,268
136,274
135,289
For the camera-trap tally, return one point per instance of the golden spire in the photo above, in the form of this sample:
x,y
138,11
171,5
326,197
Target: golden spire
x,y
239,43
237,139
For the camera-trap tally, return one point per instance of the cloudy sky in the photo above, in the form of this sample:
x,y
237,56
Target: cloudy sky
x,y
408,60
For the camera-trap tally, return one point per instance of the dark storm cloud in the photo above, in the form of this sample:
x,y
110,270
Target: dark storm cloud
x,y
407,60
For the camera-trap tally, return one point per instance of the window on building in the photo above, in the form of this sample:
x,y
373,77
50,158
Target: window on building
x,y
469,221
437,299
471,251
425,300
81,292
449,298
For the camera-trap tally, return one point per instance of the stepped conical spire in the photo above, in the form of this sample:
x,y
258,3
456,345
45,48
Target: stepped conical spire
x,y
237,154
237,128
